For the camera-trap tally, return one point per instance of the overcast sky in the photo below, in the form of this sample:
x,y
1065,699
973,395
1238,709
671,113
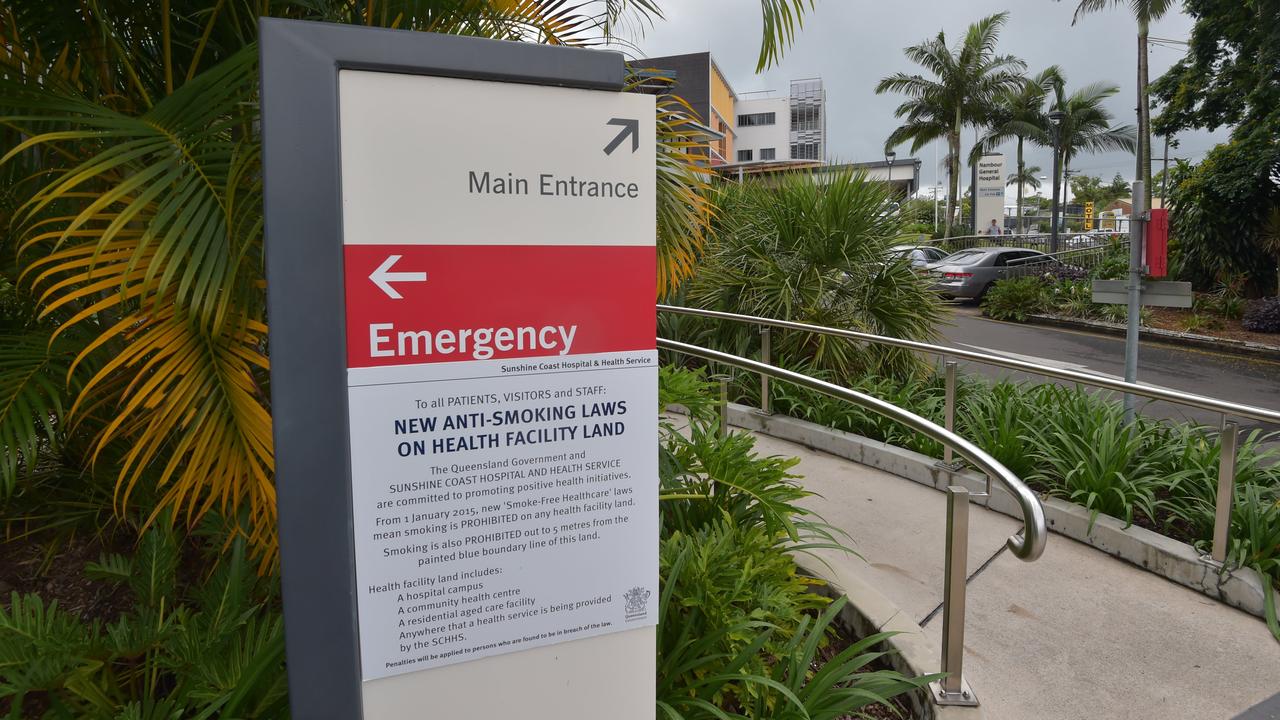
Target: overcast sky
x,y
852,44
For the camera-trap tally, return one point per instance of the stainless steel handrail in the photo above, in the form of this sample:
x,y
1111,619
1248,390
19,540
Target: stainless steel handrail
x,y
951,689
1028,546
1148,391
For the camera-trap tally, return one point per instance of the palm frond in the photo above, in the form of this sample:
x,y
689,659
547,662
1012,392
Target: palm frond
x,y
33,381
782,19
172,170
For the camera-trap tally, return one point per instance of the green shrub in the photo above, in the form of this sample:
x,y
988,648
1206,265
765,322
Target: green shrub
x,y
999,420
1232,181
738,623
1015,299
1074,299
1084,451
1114,265
1193,471
728,581
921,397
812,253
215,650
1196,322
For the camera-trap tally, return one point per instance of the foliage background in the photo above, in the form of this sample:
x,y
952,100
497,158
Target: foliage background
x,y
133,357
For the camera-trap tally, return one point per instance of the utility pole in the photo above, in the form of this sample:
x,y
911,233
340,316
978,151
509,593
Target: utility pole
x,y
1137,233
1164,177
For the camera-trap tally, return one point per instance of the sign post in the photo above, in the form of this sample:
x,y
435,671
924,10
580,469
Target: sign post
x,y
461,271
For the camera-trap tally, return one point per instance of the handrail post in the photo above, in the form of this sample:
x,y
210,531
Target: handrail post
x,y
723,430
949,407
1226,490
766,357
952,689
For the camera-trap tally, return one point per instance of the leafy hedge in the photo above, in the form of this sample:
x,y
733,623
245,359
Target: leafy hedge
x,y
1221,210
1073,443
212,649
1016,298
739,626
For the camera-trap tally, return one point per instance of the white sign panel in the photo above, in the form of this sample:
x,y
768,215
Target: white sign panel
x,y
502,375
990,192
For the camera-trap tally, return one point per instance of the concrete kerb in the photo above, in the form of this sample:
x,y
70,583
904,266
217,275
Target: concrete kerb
x,y
1176,561
868,612
1230,346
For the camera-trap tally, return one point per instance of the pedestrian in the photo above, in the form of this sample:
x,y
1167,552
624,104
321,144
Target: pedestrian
x,y
994,229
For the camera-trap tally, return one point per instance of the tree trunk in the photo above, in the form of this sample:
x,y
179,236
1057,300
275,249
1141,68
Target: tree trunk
x,y
1020,178
953,177
973,185
1144,115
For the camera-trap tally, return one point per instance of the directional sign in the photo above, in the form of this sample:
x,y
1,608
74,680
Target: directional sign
x,y
629,128
503,412
383,277
464,375
1154,293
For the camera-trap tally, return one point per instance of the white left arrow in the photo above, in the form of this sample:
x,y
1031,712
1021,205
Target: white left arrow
x,y
383,277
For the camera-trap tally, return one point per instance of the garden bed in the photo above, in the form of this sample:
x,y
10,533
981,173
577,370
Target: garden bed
x,y
1216,320
1186,320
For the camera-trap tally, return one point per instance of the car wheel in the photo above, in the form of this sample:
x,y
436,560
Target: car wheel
x,y
977,299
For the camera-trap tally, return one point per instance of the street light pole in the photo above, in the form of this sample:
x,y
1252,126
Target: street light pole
x,y
1066,190
1055,119
935,209
889,157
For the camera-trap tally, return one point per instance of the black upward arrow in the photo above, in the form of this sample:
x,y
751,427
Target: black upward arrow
x,y
631,127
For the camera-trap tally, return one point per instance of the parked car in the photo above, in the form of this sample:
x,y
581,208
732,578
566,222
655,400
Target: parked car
x,y
968,274
920,255
1087,240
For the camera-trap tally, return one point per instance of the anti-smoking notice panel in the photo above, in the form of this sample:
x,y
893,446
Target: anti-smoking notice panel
x,y
499,280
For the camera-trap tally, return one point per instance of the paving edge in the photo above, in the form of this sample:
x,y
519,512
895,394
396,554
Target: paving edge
x,y
1176,561
1160,335
868,612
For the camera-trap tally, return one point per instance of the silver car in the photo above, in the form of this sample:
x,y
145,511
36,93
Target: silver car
x,y
968,274
919,255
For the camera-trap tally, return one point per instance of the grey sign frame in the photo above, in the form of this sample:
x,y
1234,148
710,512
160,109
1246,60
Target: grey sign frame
x,y
1157,293
300,62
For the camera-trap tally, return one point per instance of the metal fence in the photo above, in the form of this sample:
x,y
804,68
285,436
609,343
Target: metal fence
x,y
1226,409
1080,251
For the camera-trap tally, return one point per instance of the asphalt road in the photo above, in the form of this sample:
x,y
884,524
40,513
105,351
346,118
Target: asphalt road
x,y
1243,380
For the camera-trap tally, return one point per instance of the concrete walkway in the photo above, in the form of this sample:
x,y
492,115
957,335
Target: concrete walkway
x,y
1076,634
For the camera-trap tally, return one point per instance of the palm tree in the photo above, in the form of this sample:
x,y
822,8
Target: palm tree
x,y
1019,113
813,253
965,80
1026,175
1086,126
1145,12
135,365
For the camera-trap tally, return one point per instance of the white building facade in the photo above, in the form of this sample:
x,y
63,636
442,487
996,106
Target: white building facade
x,y
791,128
763,130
